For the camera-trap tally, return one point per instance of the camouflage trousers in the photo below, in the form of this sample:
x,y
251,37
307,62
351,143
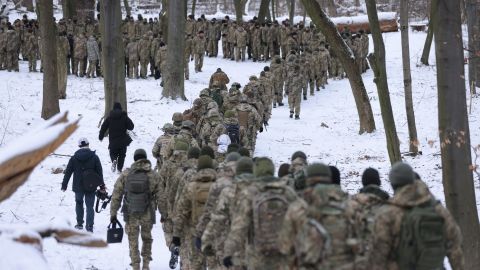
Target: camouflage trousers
x,y
225,50
167,227
79,67
186,69
132,68
212,47
231,50
240,53
278,89
2,59
199,62
259,262
92,66
294,101
135,227
32,62
256,50
144,68
12,61
321,79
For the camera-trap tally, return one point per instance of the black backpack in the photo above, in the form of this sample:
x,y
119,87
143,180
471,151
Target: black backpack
x,y
233,131
90,178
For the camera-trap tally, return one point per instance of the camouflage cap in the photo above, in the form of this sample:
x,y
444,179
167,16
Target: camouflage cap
x,y
253,78
401,174
318,173
213,114
188,124
212,105
263,167
205,93
299,154
207,150
181,146
204,162
168,127
244,165
229,114
177,117
197,102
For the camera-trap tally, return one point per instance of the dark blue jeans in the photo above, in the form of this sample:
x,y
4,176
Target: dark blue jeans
x,y
89,201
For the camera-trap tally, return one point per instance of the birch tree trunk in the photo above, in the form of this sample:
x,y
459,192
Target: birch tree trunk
x,y
50,105
174,77
454,129
113,54
377,62
344,54
407,78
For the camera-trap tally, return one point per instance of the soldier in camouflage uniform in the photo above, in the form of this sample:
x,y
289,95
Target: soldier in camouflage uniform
x,y
3,48
213,35
132,50
160,146
278,75
144,55
12,49
188,55
233,97
322,63
256,40
185,135
190,206
295,92
249,120
413,195
296,175
80,53
224,179
93,53
211,129
216,232
138,221
318,231
31,47
199,50
260,214
240,44
161,58
219,79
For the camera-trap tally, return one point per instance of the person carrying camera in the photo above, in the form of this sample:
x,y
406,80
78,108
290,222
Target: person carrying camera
x,y
87,176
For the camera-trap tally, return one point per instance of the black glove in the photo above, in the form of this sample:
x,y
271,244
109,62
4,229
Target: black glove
x,y
198,243
261,129
162,219
100,137
191,59
176,241
113,219
227,261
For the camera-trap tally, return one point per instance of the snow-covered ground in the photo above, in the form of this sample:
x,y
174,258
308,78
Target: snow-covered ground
x,y
327,131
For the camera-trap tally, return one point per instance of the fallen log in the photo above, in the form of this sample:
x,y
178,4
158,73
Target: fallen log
x,y
388,23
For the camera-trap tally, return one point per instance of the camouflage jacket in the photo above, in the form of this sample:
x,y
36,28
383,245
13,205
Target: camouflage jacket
x,y
388,225
119,192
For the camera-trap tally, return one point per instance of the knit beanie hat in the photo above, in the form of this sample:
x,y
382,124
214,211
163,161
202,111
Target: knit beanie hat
x,y
204,162
244,152
181,146
83,142
370,177
335,175
400,175
139,154
283,170
233,147
318,173
193,152
229,114
299,154
263,167
234,156
244,165
207,150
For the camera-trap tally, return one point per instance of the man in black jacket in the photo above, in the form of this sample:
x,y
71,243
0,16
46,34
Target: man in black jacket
x,y
83,159
117,124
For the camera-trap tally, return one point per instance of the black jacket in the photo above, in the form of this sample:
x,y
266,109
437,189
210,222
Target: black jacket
x,y
83,158
117,124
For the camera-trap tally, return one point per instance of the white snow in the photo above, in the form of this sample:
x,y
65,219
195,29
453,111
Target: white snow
x,y
364,18
41,201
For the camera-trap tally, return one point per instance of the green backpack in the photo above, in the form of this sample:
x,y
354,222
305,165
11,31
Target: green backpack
x,y
422,239
217,97
137,197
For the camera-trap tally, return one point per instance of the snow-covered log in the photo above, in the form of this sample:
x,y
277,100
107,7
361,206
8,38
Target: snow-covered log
x,y
388,22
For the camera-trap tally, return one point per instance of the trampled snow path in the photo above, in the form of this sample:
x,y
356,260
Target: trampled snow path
x,y
40,200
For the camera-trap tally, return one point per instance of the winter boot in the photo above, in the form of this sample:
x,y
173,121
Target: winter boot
x,y
136,266
274,105
304,97
79,227
280,104
114,165
297,117
291,114
145,265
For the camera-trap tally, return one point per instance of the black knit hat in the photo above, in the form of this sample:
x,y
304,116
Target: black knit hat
x,y
204,162
244,152
244,165
335,175
233,147
371,177
117,106
283,169
207,150
139,154
193,152
299,154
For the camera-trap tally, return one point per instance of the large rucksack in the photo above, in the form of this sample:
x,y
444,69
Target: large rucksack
x,y
269,207
217,97
137,195
422,244
233,131
200,196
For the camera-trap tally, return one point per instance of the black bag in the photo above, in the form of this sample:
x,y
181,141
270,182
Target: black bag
x,y
233,132
114,234
91,180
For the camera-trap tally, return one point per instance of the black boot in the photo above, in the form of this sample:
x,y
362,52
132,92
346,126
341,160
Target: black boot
x,y
291,114
297,117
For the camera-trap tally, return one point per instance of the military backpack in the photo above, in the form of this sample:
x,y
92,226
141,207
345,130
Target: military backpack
x,y
200,197
422,244
233,132
137,197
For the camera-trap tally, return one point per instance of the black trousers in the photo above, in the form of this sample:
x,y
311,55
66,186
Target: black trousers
x,y
119,155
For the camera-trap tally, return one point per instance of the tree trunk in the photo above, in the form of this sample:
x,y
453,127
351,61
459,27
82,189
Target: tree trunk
x,y
164,18
332,8
50,105
128,10
407,78
194,5
174,77
431,29
377,62
28,4
86,9
262,13
273,10
454,129
473,21
69,8
344,54
291,14
113,54
238,10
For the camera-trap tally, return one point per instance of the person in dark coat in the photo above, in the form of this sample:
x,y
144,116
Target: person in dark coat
x,y
117,124
84,158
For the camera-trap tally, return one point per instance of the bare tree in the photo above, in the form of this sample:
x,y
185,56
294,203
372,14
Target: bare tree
x,y
473,21
407,77
377,62
113,54
50,105
69,8
291,14
85,9
127,7
194,5
238,10
345,55
174,80
454,129
262,13
431,29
